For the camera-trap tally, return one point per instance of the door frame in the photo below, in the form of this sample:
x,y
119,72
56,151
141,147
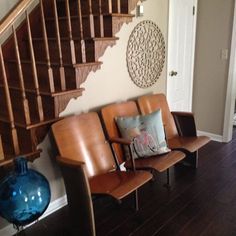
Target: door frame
x,y
193,53
231,87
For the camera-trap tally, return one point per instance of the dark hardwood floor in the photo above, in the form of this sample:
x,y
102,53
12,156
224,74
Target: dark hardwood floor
x,y
200,202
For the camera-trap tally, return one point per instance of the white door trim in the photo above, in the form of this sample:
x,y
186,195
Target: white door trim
x,y
231,87
193,54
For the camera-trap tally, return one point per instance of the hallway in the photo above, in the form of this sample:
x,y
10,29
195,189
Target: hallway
x,y
200,202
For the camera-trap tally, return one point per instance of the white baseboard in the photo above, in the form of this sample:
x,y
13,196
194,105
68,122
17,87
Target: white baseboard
x,y
214,137
53,206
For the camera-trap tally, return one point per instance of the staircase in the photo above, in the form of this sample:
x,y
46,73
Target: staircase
x,y
45,60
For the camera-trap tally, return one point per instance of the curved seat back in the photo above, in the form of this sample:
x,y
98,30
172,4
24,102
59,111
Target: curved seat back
x,y
152,102
109,113
81,138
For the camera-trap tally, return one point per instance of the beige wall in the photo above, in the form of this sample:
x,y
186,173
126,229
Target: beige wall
x,y
110,84
5,6
214,27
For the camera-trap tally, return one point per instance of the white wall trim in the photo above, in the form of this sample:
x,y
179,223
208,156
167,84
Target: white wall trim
x,y
53,206
193,54
231,87
214,137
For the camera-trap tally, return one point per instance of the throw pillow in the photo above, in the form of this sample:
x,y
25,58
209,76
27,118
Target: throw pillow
x,y
147,133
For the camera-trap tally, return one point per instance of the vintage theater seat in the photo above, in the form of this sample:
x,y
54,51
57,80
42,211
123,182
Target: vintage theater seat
x,y
180,127
158,163
81,143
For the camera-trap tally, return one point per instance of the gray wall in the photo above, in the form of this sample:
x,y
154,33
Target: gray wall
x,y
214,29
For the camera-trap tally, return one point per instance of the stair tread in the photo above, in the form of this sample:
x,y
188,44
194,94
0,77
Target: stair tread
x,y
78,39
45,93
8,159
30,126
87,15
55,63
119,14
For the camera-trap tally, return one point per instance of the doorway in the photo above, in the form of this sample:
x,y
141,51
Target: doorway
x,y
181,48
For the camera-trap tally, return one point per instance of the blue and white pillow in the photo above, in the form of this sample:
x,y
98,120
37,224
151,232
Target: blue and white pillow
x,y
147,133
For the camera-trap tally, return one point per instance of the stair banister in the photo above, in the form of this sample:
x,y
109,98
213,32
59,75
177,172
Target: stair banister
x,y
46,47
91,19
83,52
58,36
21,80
72,44
101,19
9,107
34,70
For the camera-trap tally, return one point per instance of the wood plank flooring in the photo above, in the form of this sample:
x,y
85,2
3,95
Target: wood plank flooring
x,y
200,202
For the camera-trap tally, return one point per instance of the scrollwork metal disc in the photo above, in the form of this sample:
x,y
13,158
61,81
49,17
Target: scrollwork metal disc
x,y
145,54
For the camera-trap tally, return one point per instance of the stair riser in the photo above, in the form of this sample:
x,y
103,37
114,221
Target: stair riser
x,y
29,139
124,7
17,106
113,24
25,138
39,49
40,55
51,106
42,72
48,103
75,24
5,130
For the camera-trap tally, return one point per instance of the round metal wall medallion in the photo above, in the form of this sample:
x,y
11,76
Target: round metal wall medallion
x,y
145,54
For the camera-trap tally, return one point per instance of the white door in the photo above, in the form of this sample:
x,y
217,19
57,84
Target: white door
x,y
181,45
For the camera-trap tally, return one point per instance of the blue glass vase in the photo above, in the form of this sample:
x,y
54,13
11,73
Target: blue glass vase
x,y
24,194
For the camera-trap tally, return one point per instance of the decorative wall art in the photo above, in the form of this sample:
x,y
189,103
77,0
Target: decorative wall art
x,y
145,54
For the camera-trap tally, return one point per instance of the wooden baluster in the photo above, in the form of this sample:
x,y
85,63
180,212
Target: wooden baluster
x,y
21,79
110,6
1,150
9,106
62,70
45,37
72,44
83,51
34,69
118,6
101,19
91,20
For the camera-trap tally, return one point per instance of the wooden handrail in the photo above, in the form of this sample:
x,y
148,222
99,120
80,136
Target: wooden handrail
x,y
12,16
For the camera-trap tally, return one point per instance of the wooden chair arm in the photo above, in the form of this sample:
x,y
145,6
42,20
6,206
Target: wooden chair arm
x,y
185,123
69,162
127,142
182,113
120,140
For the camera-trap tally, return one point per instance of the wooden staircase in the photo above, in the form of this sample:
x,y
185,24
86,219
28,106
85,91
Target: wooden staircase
x,y
46,59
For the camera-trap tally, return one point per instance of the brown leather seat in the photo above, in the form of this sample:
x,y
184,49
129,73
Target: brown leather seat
x,y
159,163
81,141
180,127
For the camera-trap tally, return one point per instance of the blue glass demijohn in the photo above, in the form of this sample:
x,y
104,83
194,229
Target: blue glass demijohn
x,y
24,194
